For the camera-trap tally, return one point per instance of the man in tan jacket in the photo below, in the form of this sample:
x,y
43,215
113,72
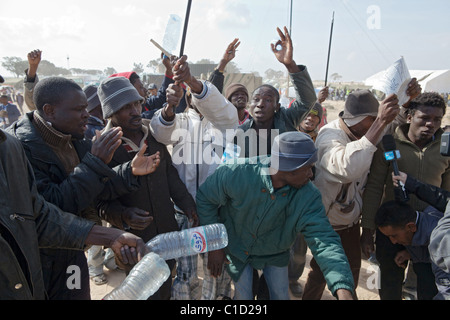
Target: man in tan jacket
x,y
346,147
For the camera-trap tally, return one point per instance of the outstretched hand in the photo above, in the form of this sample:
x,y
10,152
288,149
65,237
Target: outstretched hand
x,y
142,165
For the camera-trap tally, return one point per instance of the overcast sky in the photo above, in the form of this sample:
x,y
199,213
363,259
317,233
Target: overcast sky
x,y
368,35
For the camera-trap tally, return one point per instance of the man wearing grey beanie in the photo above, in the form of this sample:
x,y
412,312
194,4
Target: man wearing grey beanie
x,y
149,210
95,120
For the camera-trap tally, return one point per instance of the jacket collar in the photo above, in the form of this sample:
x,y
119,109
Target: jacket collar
x,y
50,135
25,131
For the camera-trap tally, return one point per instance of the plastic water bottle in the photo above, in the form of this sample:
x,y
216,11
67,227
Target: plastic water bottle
x,y
172,33
188,242
146,277
232,151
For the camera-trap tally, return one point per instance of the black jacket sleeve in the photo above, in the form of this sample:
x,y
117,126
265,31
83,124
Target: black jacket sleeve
x,y
435,196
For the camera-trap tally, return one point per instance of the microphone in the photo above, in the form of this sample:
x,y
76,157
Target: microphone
x,y
391,154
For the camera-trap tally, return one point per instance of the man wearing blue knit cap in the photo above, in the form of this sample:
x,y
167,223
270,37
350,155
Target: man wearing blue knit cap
x,y
265,202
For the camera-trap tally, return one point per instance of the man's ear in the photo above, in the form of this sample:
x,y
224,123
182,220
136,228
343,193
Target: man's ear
x,y
278,106
408,118
411,226
48,111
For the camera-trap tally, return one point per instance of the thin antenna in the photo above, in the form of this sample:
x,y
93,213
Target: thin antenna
x,y
290,21
329,50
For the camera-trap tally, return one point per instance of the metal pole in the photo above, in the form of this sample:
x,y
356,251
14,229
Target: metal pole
x,y
290,34
290,22
329,49
186,21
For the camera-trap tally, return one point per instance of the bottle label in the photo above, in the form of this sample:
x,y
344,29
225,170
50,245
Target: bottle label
x,y
198,240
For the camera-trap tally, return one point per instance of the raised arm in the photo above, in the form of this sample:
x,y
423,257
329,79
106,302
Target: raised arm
x,y
34,58
305,95
217,78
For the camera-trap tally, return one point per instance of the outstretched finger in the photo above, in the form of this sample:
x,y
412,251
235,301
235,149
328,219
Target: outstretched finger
x,y
288,36
142,150
280,33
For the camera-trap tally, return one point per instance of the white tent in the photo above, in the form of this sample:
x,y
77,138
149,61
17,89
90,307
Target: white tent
x,y
429,80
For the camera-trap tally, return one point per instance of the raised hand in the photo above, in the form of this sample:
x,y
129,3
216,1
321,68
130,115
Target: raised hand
x,y
230,52
142,165
168,62
389,109
104,145
414,89
283,48
182,73
323,94
174,93
34,58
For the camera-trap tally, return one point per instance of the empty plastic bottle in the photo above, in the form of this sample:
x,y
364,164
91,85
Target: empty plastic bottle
x,y
146,277
172,33
188,242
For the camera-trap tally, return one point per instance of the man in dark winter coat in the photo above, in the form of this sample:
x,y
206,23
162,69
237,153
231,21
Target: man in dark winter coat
x,y
71,172
28,222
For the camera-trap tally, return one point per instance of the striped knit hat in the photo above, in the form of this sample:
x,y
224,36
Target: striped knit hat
x,y
92,97
116,92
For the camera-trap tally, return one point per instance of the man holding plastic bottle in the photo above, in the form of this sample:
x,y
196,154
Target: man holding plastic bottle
x,y
263,226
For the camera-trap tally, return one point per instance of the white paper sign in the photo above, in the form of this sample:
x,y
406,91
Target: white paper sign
x,y
395,80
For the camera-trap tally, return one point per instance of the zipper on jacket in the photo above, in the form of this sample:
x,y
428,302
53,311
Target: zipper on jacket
x,y
17,217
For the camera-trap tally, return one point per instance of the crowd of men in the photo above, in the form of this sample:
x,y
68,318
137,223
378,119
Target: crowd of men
x,y
91,174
